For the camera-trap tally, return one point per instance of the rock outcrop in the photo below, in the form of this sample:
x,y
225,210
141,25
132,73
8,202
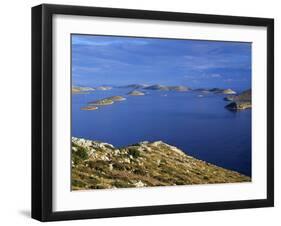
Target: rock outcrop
x,y
228,91
236,106
240,102
98,165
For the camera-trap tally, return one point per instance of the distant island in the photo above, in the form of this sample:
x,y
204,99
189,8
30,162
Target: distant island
x,y
156,87
167,88
104,88
136,93
134,86
240,102
216,91
86,90
89,108
81,89
98,165
106,101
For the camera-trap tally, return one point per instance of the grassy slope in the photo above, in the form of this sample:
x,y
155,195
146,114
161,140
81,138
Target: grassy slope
x,y
98,165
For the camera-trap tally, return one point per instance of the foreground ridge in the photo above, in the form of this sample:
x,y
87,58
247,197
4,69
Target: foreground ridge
x,y
98,165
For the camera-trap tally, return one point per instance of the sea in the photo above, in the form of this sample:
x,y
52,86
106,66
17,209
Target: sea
x,y
195,122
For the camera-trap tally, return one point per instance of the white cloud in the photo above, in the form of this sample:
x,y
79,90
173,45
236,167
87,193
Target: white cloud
x,y
100,41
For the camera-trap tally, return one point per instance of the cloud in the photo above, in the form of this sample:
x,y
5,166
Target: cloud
x,y
104,41
85,69
203,76
235,80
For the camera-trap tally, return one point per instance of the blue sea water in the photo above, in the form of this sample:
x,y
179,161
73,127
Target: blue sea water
x,y
199,125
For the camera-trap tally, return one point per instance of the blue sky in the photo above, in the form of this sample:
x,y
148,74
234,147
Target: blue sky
x,y
113,60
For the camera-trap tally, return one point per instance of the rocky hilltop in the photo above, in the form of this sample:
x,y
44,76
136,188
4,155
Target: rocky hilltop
x,y
97,165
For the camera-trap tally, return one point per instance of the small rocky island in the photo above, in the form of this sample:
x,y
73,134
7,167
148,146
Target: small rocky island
x,y
134,86
81,90
97,165
103,88
106,101
156,87
167,88
240,102
89,108
216,91
136,93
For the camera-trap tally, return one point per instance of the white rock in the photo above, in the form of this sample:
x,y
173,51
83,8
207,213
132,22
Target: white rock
x,y
116,152
104,158
126,160
139,184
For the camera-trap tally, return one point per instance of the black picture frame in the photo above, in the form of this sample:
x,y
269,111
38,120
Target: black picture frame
x,y
42,111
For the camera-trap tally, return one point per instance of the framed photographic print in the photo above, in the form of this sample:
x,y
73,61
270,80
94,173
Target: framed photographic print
x,y
145,112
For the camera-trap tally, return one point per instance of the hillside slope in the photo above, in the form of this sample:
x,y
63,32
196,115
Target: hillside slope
x,y
97,165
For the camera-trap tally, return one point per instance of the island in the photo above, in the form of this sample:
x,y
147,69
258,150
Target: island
x,y
81,90
136,93
134,86
107,101
178,88
89,108
103,88
216,91
102,102
99,165
167,88
116,98
240,102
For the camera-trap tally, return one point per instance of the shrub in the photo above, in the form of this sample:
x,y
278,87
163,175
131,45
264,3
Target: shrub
x,y
99,165
80,153
134,152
